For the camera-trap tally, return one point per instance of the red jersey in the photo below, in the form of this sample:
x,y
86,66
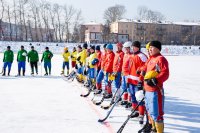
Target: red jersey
x,y
118,61
99,59
126,64
157,63
137,61
108,64
103,58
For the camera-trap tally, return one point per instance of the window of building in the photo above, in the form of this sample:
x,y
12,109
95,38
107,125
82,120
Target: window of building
x,y
93,28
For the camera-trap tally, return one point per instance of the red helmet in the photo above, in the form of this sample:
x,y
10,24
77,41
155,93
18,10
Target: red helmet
x,y
119,44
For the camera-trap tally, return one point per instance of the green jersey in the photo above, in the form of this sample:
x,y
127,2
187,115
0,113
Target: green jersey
x,y
21,55
8,56
46,56
33,56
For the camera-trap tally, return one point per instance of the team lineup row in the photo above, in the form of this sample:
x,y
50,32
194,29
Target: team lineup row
x,y
129,69
132,72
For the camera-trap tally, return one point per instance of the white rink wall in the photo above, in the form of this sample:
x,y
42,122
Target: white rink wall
x,y
57,48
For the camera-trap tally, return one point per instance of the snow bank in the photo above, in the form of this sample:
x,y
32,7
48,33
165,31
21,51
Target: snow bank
x,y
58,47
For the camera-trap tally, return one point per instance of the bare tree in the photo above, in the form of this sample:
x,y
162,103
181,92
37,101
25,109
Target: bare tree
x,y
76,37
34,8
58,9
149,15
44,6
2,10
69,12
52,17
24,18
9,20
114,13
142,12
15,17
30,28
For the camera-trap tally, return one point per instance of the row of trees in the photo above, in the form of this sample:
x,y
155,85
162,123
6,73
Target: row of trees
x,y
39,20
149,15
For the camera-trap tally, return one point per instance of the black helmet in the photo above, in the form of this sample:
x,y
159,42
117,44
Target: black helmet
x,y
92,47
97,47
85,45
104,46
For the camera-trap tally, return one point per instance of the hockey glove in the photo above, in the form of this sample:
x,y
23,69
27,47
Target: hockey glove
x,y
152,82
95,61
79,58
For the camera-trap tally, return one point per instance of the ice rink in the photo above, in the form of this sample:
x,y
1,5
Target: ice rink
x,y
48,104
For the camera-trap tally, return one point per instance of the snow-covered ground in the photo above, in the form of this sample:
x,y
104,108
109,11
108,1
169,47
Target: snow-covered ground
x,y
58,47
51,105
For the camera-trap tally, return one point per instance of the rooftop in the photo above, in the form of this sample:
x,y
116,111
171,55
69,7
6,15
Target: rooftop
x,y
159,22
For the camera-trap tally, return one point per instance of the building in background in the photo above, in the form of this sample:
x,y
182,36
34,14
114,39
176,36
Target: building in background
x,y
93,32
185,33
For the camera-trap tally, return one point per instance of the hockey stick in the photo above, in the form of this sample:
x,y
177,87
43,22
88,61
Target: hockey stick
x,y
98,103
112,101
89,91
129,116
109,112
101,101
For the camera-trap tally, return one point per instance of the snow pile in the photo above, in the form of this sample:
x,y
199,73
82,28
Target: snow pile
x,y
58,47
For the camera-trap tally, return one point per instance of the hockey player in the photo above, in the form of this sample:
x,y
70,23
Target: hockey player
x,y
117,66
108,69
100,75
79,64
138,60
81,57
98,66
21,59
157,72
73,57
91,65
8,60
125,73
33,58
46,57
66,56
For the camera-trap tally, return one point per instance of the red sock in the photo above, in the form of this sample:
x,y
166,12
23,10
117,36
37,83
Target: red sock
x,y
141,109
109,90
98,86
134,105
125,96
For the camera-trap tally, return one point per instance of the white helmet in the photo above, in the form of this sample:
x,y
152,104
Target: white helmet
x,y
139,95
127,44
24,54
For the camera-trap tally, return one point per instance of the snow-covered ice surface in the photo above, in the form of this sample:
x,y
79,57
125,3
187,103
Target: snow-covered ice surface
x,y
51,105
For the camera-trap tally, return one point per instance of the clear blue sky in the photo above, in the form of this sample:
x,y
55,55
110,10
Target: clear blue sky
x,y
174,10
